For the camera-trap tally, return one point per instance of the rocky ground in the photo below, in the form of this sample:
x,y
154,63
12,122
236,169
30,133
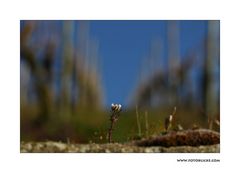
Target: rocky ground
x,y
187,141
59,147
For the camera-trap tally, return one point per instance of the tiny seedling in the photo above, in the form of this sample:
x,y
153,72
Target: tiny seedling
x,y
169,119
115,112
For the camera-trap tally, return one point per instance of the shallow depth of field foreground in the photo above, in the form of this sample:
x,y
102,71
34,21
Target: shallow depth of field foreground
x,y
120,86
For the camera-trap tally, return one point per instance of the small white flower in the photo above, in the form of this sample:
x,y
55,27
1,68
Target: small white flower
x,y
119,106
116,107
113,106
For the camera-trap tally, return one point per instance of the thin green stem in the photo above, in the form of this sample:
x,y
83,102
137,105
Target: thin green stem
x,y
138,122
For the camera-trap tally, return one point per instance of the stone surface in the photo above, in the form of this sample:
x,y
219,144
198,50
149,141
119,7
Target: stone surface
x,y
59,147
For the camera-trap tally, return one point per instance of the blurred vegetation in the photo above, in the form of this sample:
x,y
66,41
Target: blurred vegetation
x,y
191,82
62,95
57,82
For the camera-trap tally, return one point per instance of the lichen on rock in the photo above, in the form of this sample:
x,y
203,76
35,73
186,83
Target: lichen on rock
x,y
183,138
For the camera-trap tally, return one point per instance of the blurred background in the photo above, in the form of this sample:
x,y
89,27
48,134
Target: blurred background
x,y
71,72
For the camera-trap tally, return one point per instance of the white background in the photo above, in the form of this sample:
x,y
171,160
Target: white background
x,y
11,12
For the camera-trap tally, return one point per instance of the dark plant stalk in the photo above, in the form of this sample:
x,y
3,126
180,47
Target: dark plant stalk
x,y
113,119
116,109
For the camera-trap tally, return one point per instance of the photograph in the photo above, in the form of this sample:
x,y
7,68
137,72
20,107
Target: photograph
x,y
119,86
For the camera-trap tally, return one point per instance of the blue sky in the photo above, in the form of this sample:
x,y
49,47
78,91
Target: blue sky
x,y
123,49
124,44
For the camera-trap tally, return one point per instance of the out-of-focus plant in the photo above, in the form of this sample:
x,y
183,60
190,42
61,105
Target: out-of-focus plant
x,y
61,79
